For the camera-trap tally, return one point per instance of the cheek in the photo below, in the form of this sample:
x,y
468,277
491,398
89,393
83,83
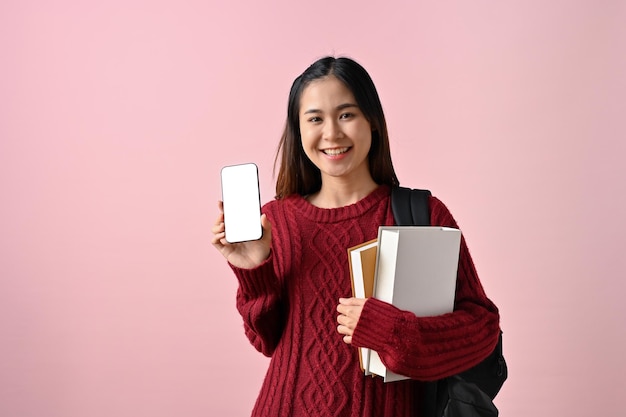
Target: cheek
x,y
304,139
307,136
307,145
366,139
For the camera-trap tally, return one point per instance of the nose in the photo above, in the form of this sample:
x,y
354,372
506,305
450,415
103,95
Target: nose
x,y
332,130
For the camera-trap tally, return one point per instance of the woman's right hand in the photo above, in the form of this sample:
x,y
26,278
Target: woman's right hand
x,y
244,254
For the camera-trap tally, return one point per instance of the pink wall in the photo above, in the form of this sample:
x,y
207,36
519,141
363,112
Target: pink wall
x,y
116,116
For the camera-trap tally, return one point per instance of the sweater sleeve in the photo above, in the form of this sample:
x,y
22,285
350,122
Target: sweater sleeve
x,y
430,348
260,304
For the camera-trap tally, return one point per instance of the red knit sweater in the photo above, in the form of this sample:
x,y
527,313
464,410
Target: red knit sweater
x,y
288,305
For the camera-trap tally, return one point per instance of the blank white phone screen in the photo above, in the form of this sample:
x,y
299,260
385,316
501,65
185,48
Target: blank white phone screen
x,y
242,203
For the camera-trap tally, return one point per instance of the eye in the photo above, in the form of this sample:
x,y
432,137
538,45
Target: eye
x,y
315,119
346,116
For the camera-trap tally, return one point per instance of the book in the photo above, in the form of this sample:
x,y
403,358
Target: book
x,y
362,260
416,269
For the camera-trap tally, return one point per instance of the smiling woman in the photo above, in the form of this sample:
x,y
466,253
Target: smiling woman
x,y
348,84
336,137
333,193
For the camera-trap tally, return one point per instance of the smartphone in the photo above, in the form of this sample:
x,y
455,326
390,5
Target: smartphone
x,y
242,203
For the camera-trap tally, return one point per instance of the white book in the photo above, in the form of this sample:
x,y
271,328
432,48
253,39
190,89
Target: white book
x,y
416,269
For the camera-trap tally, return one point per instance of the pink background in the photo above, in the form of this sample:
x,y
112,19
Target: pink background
x,y
116,116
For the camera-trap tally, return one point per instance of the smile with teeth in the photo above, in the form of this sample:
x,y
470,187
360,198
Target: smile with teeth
x,y
335,151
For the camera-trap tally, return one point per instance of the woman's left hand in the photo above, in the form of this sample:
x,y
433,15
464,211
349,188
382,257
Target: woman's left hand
x,y
349,313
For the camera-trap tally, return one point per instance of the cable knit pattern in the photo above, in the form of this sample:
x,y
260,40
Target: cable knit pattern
x,y
288,305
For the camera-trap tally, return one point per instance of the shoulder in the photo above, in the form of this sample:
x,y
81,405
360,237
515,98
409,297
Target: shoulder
x,y
440,215
280,206
272,206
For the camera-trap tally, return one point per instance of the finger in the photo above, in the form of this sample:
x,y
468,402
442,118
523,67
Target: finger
x,y
347,340
347,321
346,331
345,309
218,227
218,239
352,301
266,225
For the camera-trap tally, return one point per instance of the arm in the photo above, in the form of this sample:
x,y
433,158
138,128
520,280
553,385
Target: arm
x,y
430,348
259,302
258,295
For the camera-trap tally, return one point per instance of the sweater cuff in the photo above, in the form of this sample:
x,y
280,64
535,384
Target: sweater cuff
x,y
375,328
259,280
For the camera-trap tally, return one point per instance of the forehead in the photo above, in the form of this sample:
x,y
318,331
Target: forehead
x,y
328,91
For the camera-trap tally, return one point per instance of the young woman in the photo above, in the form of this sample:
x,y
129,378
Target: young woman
x,y
332,193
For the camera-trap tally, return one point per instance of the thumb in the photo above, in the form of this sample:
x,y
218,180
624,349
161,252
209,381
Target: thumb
x,y
265,223
267,226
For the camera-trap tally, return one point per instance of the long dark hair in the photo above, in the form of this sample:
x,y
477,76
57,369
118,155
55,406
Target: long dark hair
x,y
297,174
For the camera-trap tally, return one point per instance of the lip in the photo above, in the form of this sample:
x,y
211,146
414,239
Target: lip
x,y
336,152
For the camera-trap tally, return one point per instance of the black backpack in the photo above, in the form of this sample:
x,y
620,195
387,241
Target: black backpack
x,y
470,393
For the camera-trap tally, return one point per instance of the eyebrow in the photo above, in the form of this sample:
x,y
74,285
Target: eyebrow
x,y
339,107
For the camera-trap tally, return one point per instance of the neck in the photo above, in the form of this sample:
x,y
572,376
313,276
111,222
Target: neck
x,y
336,193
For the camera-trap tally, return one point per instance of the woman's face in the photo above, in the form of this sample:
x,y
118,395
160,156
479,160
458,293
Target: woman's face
x,y
336,136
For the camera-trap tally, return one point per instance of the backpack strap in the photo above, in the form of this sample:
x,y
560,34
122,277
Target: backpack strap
x,y
410,206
